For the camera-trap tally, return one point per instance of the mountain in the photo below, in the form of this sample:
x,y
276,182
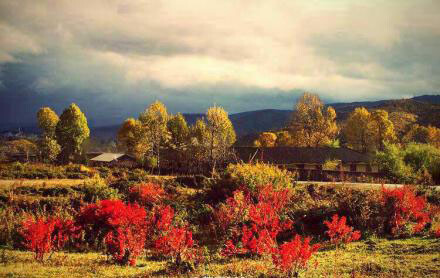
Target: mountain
x,y
433,99
427,108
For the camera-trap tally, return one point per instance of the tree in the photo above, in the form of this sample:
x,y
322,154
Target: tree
x,y
220,134
266,140
71,131
312,125
367,132
283,138
178,144
418,134
49,148
357,130
47,121
21,146
382,128
423,134
402,122
391,163
129,135
434,136
154,129
179,131
197,145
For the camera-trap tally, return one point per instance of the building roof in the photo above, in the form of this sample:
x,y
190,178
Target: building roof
x,y
294,155
107,157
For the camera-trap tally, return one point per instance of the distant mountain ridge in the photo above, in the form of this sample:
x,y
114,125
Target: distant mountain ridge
x,y
247,124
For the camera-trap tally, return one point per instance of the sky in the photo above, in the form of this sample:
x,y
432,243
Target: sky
x,y
114,57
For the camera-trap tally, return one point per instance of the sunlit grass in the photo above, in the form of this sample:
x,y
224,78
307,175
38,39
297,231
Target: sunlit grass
x,y
415,257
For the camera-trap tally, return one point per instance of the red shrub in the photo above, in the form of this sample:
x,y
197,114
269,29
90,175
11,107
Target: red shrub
x,y
174,242
340,232
293,256
43,236
162,218
147,194
437,232
402,207
233,211
178,244
264,217
122,227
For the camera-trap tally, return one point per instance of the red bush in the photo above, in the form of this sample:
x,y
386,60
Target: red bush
x,y
174,242
147,194
178,244
437,232
294,255
122,227
264,218
340,232
162,218
43,236
402,207
233,211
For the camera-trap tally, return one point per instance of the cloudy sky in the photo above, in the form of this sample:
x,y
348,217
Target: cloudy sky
x,y
114,57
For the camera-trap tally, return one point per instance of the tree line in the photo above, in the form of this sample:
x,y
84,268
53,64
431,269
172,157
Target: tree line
x,y
154,135
314,125
158,139
206,143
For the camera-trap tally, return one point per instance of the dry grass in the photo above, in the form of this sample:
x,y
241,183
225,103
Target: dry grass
x,y
6,184
415,257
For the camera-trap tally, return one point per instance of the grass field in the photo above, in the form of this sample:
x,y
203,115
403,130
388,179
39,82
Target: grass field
x,y
5,184
415,257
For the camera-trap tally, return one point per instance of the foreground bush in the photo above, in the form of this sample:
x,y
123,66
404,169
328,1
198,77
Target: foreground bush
x,y
43,236
404,212
252,226
293,256
123,228
259,174
339,232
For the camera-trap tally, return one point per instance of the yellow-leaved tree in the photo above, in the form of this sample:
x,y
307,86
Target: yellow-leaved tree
x,y
71,132
266,140
402,122
129,137
47,121
367,132
312,124
219,135
154,130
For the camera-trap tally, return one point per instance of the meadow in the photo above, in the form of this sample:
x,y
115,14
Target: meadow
x,y
210,212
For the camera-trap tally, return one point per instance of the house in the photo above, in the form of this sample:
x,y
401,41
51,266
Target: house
x,y
113,159
320,158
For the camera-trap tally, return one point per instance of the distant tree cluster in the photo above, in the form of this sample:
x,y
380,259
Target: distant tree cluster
x,y
156,134
314,125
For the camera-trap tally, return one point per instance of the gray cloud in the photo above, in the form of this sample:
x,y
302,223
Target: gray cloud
x,y
119,55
